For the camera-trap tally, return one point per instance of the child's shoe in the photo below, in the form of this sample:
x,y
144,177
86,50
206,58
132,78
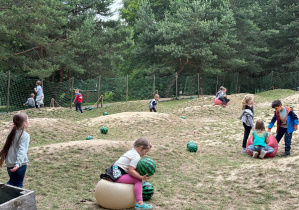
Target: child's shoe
x,y
286,153
254,154
144,206
263,153
244,151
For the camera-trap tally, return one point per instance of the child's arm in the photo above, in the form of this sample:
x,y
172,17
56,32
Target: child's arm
x,y
22,152
267,140
35,90
295,118
132,171
272,122
76,97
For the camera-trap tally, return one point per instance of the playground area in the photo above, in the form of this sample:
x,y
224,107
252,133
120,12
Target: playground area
x,y
64,168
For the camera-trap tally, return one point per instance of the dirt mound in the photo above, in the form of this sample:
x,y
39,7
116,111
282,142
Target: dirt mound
x,y
130,117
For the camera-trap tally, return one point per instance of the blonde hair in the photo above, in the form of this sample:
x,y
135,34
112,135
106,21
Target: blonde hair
x,y
157,96
246,100
76,90
142,142
32,95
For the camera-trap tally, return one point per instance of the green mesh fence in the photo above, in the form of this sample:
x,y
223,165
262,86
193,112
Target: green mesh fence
x,y
115,89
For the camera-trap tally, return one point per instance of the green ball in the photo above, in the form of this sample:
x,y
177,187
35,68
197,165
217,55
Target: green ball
x,y
192,147
89,137
104,130
105,113
191,97
184,117
190,142
147,190
146,166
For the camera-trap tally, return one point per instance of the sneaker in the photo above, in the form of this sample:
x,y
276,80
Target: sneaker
x,y
254,154
244,151
144,206
286,153
263,153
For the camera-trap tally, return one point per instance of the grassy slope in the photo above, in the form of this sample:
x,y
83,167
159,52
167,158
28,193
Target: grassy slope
x,y
217,176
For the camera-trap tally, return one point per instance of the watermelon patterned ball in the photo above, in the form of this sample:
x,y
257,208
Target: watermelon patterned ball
x,y
147,190
89,137
190,142
104,130
192,148
146,166
105,113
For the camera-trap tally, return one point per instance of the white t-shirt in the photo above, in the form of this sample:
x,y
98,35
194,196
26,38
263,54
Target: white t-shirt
x,y
130,158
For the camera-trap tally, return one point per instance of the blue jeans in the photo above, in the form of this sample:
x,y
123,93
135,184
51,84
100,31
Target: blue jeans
x,y
16,178
287,138
257,148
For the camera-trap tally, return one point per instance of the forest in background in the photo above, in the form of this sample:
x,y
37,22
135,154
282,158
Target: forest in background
x,y
56,40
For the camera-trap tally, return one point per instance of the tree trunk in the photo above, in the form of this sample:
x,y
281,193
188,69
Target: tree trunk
x,y
68,74
61,71
178,73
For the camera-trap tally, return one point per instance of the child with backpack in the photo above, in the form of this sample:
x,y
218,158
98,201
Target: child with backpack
x,y
79,99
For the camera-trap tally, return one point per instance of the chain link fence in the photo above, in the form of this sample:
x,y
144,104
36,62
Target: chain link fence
x,y
14,90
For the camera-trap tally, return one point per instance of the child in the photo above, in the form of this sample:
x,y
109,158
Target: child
x,y
221,95
260,141
124,170
79,99
247,119
14,151
153,103
30,101
40,95
287,123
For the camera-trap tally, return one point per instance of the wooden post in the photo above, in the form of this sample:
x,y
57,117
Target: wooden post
x,y
8,87
198,85
52,102
154,85
99,83
176,85
102,100
127,89
201,91
239,89
72,92
273,88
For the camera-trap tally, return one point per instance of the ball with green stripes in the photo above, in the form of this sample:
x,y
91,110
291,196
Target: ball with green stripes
x,y
146,166
192,147
190,142
147,191
105,113
104,130
89,137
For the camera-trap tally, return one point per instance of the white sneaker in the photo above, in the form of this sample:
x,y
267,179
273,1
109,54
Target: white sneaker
x,y
244,151
254,154
263,153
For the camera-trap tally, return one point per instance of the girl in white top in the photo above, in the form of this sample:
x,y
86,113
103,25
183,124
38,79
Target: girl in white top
x,y
124,170
14,151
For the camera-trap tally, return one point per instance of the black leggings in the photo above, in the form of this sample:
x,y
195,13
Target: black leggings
x,y
224,100
246,134
78,106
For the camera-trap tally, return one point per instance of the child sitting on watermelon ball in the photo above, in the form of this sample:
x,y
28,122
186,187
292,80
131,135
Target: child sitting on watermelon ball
x,y
124,170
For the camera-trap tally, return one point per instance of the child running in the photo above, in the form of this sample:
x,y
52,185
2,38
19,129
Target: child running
x,y
260,141
14,151
79,99
221,95
153,103
40,94
30,102
124,170
247,119
287,123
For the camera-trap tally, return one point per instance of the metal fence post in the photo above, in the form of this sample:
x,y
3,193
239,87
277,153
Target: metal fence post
x,y
198,85
154,85
72,92
217,85
8,88
127,89
99,84
176,85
